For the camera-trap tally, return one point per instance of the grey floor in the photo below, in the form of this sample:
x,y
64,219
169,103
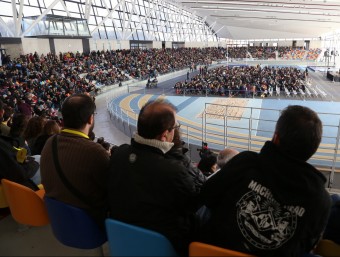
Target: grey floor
x,y
17,240
103,125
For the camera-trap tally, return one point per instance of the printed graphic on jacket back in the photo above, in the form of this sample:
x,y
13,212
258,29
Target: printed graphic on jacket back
x,y
263,221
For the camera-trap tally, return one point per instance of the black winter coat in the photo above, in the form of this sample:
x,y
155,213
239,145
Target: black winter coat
x,y
148,190
178,153
267,204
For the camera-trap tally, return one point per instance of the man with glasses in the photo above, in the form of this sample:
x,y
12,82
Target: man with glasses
x,y
146,188
80,179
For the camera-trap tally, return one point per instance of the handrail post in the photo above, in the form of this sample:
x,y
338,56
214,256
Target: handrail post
x,y
331,178
203,117
188,141
128,118
224,133
250,128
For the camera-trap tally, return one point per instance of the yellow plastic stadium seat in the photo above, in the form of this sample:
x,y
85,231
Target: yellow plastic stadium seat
x,y
3,200
327,248
27,206
201,249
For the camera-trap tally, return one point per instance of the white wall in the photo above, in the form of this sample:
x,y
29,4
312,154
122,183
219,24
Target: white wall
x,y
68,45
195,44
212,44
285,43
168,44
299,43
14,50
201,44
102,44
30,45
315,44
157,44
124,44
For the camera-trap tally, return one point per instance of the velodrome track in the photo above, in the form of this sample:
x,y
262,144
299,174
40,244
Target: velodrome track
x,y
191,108
264,114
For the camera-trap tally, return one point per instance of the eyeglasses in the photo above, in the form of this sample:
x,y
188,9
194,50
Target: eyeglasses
x,y
177,126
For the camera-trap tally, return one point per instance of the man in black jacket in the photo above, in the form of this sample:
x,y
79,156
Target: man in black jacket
x,y
148,189
271,203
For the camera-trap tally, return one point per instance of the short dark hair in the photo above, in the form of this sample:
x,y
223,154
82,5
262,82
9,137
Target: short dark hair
x,y
8,112
299,130
155,117
19,124
76,110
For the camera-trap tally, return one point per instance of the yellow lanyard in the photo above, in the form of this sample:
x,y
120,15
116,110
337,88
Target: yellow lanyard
x,y
75,132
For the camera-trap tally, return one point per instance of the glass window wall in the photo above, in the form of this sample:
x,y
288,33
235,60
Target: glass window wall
x,y
107,19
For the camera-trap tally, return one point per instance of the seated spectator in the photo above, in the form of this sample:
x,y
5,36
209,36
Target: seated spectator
x,y
271,203
332,231
83,163
24,108
100,140
178,152
7,117
4,129
104,144
208,164
33,129
146,188
23,170
51,128
17,130
224,156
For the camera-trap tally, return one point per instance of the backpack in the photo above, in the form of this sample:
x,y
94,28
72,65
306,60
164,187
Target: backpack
x,y
11,169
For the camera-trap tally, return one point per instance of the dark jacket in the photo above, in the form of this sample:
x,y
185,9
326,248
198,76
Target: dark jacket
x,y
39,144
332,231
178,153
267,204
148,190
11,169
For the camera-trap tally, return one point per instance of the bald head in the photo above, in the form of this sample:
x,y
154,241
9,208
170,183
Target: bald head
x,y
156,117
225,155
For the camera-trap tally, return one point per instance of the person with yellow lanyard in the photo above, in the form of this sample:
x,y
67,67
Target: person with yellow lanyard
x,y
74,169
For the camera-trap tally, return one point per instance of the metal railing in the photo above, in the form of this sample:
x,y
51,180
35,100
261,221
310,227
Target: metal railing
x,y
256,126
246,131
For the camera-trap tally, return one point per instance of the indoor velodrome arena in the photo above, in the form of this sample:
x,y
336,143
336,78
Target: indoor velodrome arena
x,y
228,67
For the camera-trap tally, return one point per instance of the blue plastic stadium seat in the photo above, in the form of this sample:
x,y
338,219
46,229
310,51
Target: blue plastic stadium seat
x,y
129,240
72,226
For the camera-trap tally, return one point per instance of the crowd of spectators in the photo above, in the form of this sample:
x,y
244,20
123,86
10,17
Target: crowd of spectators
x,y
271,52
313,54
262,53
289,53
38,84
243,81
